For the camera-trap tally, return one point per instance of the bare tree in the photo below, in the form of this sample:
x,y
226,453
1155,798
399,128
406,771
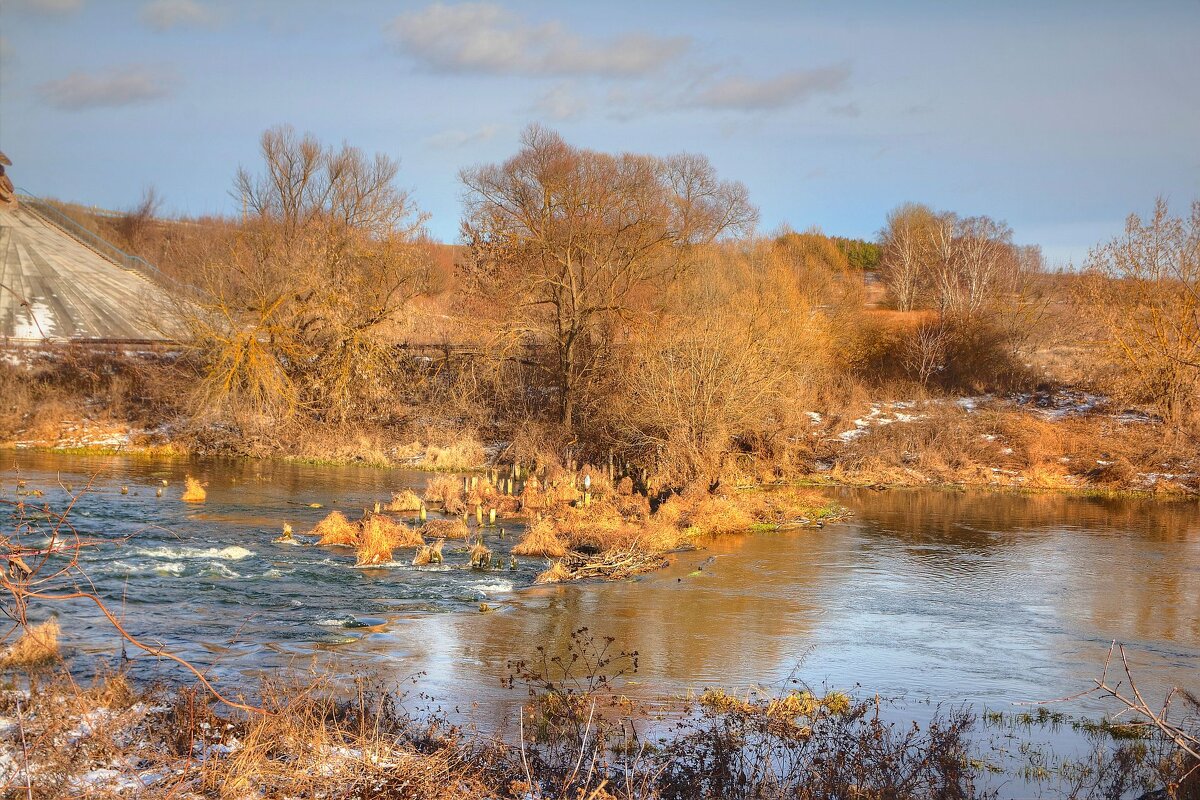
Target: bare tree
x,y
298,315
1146,288
908,255
573,240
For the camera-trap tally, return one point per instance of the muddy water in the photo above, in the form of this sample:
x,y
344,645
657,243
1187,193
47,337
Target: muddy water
x,y
925,596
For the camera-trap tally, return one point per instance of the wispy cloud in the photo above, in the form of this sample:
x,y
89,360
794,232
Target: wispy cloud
x,y
121,86
780,91
453,139
560,103
163,15
846,110
484,37
46,6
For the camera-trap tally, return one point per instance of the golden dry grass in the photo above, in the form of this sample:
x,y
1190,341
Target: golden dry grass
x,y
541,539
335,529
380,535
193,491
37,645
405,501
480,555
429,554
446,491
374,542
557,572
445,529
464,453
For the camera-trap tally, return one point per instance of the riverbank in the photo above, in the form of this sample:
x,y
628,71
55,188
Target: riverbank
x,y
577,737
1064,442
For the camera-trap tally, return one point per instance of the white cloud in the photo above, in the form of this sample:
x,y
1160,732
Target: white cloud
x,y
47,6
560,103
163,15
786,89
123,86
453,139
485,37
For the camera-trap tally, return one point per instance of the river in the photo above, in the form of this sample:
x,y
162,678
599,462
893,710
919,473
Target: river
x,y
927,597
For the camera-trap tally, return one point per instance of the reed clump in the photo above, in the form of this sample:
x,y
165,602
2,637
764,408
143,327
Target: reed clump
x,y
379,535
480,555
556,572
447,492
541,539
193,491
335,529
445,529
36,646
404,502
429,554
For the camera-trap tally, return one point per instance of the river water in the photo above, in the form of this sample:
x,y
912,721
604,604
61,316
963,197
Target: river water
x,y
927,597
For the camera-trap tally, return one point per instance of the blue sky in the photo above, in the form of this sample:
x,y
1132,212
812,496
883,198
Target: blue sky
x,y
1060,118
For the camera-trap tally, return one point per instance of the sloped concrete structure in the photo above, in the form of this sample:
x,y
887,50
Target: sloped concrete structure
x,y
54,288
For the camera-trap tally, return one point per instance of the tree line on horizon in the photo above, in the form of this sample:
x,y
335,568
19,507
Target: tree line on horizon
x,y
627,302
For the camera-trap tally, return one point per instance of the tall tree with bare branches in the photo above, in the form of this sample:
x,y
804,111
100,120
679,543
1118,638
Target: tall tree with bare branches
x,y
575,240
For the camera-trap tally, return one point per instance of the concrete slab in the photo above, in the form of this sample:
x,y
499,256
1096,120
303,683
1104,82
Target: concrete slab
x,y
52,287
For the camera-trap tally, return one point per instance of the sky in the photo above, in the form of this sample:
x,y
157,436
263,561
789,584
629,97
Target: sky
x,y
1060,118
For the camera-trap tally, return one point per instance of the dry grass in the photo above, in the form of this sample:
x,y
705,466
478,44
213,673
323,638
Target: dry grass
x,y
446,491
335,529
480,555
557,572
541,539
715,514
36,646
193,491
405,501
445,529
429,554
380,535
463,454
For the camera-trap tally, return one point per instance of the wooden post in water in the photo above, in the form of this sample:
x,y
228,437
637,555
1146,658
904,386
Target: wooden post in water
x,y
479,515
492,517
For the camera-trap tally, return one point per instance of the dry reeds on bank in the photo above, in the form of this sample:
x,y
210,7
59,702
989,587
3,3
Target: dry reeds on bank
x,y
36,646
541,539
193,491
557,572
404,501
335,529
